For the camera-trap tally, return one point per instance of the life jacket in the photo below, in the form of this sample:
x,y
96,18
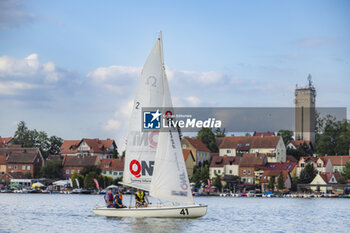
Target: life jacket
x,y
119,199
140,196
109,198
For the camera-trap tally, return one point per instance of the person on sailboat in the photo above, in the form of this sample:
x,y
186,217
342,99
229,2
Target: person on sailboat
x,y
141,199
109,198
118,201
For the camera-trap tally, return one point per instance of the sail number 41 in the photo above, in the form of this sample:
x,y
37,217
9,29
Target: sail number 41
x,y
184,211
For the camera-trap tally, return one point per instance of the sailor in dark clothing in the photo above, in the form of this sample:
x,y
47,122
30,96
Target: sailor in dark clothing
x,y
109,198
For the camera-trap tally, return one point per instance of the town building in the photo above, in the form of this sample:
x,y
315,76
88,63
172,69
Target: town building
x,y
320,164
227,167
324,182
24,160
247,165
189,161
8,176
224,166
199,150
73,163
337,162
289,167
112,167
294,144
272,146
104,149
268,174
305,113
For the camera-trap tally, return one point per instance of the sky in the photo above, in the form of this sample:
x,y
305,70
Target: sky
x,y
70,68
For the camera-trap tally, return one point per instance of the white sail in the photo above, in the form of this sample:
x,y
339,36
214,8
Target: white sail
x,y
170,181
141,146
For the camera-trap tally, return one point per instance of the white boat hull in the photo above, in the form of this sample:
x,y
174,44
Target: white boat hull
x,y
189,211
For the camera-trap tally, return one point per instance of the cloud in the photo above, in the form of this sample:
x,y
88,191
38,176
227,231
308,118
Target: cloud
x,y
112,125
13,14
117,79
193,101
29,68
12,88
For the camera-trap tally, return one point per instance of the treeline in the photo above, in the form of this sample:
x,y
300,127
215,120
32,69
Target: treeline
x,y
33,138
54,170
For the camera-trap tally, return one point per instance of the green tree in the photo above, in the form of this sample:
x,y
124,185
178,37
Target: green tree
x,y
307,174
220,133
286,135
117,180
39,139
301,150
271,184
294,186
20,133
196,177
208,138
55,145
73,178
52,170
280,182
115,153
217,182
346,171
204,173
28,175
332,136
90,168
89,180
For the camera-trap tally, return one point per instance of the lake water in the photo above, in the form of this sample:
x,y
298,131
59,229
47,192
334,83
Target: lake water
x,y
73,213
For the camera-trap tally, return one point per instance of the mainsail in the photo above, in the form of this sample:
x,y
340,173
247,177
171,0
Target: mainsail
x,y
141,146
170,181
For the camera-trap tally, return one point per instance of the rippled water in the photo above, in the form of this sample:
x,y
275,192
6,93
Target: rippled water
x,y
73,213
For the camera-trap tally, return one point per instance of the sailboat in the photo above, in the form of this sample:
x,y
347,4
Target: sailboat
x,y
156,166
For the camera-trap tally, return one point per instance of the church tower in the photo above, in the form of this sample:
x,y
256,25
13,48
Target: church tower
x,y
305,112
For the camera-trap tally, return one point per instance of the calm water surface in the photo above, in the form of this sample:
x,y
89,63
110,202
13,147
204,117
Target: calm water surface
x,y
73,213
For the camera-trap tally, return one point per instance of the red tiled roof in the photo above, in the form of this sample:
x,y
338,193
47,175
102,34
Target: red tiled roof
x,y
16,175
220,161
275,173
77,161
252,160
112,164
186,153
69,146
19,155
197,143
286,166
54,157
219,141
291,158
265,142
5,141
96,145
306,158
337,160
296,143
247,142
268,133
326,176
